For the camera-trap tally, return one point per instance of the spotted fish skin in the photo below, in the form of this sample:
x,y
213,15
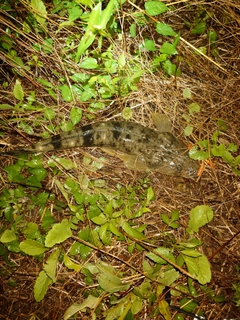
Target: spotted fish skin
x,y
158,151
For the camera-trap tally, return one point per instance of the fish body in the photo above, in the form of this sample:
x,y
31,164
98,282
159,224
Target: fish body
x,y
140,147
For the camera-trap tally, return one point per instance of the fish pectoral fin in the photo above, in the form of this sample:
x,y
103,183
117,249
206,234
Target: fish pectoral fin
x,y
132,162
162,122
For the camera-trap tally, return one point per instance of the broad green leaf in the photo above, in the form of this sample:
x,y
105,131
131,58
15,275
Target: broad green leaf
x,y
154,8
121,61
165,252
66,93
196,154
100,220
6,106
169,277
165,29
59,233
221,151
187,93
74,13
32,247
131,231
91,302
199,216
199,28
50,266
164,309
188,305
194,107
127,113
89,63
41,286
191,253
168,48
169,67
199,267
212,35
8,236
75,115
149,45
133,30
65,163
39,10
18,90
70,264
188,130
111,283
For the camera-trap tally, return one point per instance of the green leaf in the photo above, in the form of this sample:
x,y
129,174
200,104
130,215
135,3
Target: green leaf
x,y
91,302
169,67
154,8
127,113
39,10
168,48
168,277
85,42
41,286
199,28
164,29
149,45
70,264
199,267
199,216
165,252
59,233
111,283
194,107
188,130
131,231
66,93
8,236
196,154
99,220
18,90
150,195
50,266
220,151
75,115
65,163
74,13
164,309
89,63
187,93
106,14
32,247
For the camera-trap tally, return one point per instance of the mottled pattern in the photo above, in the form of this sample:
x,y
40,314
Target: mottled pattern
x,y
158,151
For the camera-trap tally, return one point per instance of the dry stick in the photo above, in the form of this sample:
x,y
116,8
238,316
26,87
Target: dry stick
x,y
159,255
128,264
182,39
224,245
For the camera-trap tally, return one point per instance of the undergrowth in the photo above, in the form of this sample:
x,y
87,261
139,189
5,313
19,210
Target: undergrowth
x,y
64,217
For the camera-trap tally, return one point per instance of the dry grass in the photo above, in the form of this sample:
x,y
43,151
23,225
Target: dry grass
x,y
215,87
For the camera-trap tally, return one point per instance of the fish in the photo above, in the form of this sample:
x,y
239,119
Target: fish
x,y
141,148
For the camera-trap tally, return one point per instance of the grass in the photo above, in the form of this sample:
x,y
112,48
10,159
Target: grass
x,y
83,237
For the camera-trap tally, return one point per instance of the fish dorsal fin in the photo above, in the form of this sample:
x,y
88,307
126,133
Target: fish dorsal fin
x,y
161,122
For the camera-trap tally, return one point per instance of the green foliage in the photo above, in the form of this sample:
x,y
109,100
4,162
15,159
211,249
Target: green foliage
x,y
206,149
93,73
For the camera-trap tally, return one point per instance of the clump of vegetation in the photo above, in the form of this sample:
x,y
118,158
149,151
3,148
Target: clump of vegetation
x,y
79,232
